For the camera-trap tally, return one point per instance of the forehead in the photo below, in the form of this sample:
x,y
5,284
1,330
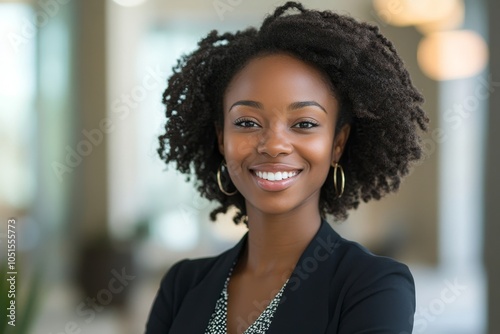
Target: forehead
x,y
282,75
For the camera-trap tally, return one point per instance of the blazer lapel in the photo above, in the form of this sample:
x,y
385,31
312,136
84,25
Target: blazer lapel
x,y
199,303
305,301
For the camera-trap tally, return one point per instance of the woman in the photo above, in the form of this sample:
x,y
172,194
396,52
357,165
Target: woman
x,y
302,118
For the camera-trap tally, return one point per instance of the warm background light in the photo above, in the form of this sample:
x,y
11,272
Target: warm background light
x,y
129,3
452,54
451,20
412,12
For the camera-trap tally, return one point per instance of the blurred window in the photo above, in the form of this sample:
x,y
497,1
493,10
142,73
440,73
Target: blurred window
x,y
17,107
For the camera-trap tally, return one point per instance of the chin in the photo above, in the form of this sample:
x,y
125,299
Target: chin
x,y
275,207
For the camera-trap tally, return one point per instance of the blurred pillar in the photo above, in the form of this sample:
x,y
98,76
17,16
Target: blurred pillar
x,y
93,125
56,173
492,176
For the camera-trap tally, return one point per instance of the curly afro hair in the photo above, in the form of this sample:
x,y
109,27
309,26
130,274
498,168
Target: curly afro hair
x,y
376,96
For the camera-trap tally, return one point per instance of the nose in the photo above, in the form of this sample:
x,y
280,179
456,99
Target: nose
x,y
274,142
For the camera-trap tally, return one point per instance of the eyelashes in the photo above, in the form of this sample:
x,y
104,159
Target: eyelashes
x,y
244,122
306,124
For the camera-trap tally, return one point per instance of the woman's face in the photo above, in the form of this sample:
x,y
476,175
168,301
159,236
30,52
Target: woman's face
x,y
279,137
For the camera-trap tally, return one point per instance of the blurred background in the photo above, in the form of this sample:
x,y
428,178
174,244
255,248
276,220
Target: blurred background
x,y
99,218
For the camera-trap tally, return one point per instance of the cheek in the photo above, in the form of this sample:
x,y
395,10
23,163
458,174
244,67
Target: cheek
x,y
236,148
318,150
319,156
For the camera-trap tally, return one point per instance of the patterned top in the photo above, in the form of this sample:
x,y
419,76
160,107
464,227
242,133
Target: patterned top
x,y
218,321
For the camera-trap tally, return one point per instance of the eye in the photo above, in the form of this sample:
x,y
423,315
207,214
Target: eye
x,y
245,123
306,125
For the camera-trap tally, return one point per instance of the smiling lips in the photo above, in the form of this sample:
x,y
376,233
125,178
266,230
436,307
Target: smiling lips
x,y
275,177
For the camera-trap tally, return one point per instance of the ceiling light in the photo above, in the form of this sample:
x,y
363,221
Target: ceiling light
x,y
454,54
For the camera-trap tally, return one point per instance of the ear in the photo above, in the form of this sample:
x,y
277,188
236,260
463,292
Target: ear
x,y
339,142
220,137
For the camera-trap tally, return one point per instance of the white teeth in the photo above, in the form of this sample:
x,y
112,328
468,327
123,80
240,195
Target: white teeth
x,y
278,176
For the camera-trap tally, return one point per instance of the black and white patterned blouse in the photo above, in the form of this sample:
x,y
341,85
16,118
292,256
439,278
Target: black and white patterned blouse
x,y
218,321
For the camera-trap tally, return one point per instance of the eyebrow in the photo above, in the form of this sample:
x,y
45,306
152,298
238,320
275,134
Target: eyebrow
x,y
248,103
303,104
293,106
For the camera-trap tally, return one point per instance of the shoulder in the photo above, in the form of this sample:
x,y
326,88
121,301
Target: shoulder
x,y
179,282
348,268
192,267
181,278
359,258
377,289
368,293
351,260
187,273
360,265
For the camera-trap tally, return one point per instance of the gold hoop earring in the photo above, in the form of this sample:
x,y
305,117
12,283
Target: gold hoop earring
x,y
337,166
223,164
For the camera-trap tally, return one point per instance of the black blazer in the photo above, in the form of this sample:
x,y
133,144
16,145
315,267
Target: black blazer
x,y
337,287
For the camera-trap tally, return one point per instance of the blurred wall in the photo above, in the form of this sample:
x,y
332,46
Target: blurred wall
x,y
492,177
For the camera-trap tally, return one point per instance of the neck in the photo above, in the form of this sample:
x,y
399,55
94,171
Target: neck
x,y
275,242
